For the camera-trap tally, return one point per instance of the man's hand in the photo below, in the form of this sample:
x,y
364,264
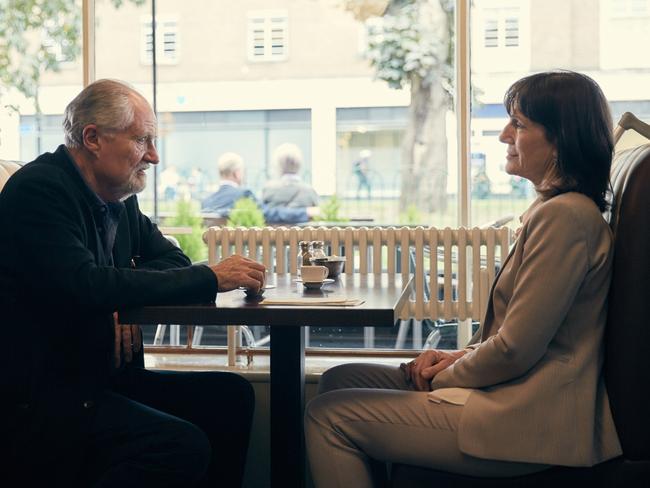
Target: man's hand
x,y
128,340
236,271
422,369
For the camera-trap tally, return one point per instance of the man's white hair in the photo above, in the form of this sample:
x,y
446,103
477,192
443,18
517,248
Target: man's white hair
x,y
288,158
229,163
106,103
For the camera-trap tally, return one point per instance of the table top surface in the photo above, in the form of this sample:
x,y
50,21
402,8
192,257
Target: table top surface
x,y
383,297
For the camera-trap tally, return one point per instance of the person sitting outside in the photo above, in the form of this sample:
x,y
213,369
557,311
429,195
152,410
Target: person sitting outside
x,y
79,407
231,173
289,190
361,168
528,391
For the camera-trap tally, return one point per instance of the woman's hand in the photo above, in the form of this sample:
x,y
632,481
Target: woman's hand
x,y
429,363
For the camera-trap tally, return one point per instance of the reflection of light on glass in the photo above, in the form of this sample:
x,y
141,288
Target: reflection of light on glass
x,y
361,129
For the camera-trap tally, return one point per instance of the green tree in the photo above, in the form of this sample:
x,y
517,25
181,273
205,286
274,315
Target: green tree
x,y
409,45
331,210
245,213
37,36
187,215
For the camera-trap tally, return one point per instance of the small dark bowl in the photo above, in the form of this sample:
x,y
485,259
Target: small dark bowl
x,y
334,265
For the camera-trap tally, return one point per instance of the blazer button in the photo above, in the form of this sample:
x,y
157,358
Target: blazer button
x,y
89,404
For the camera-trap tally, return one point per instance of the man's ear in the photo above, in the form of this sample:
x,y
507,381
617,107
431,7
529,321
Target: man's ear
x,y
91,138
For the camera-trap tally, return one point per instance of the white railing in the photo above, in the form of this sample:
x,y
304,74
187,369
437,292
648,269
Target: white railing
x,y
456,273
453,285
464,268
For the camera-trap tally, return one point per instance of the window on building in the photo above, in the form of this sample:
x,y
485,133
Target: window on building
x,y
268,36
501,28
512,31
491,33
167,44
501,35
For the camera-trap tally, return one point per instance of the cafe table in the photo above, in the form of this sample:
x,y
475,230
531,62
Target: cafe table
x,y
372,300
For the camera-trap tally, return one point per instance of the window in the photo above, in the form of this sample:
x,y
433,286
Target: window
x,y
500,39
35,87
512,31
268,36
168,49
501,28
491,36
327,98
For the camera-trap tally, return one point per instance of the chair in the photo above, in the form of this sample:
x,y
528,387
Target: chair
x,y
627,344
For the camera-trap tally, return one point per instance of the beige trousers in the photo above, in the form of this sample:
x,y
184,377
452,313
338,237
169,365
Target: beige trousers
x,y
368,411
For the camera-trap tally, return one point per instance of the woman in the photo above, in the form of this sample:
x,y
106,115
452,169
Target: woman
x,y
528,392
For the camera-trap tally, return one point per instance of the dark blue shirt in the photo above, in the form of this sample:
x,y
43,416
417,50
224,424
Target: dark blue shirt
x,y
106,215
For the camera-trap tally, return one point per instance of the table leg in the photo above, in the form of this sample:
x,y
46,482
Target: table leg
x,y
287,406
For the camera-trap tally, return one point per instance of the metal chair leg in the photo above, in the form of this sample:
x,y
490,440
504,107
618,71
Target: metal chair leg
x,y
198,335
160,335
402,332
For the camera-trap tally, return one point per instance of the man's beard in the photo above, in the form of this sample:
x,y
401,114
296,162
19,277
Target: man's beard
x,y
135,184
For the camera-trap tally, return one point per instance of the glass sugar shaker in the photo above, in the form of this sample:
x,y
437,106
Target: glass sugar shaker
x,y
318,250
305,254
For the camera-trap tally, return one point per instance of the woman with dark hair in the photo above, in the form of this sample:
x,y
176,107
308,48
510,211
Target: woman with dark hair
x,y
527,392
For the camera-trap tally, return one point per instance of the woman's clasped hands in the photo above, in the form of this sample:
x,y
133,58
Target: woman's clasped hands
x,y
427,365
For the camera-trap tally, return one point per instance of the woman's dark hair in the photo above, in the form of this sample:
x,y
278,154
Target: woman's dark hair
x,y
576,119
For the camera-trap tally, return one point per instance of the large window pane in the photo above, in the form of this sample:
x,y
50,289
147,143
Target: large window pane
x,y
121,47
40,71
311,73
510,40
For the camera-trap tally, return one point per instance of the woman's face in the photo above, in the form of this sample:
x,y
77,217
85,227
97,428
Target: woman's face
x,y
529,153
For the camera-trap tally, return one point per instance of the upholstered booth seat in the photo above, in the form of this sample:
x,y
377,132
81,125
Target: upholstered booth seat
x,y
7,168
627,351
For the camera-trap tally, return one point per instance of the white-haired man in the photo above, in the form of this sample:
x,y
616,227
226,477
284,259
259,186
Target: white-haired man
x,y
289,190
231,174
83,411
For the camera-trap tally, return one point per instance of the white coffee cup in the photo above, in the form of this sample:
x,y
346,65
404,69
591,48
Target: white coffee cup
x,y
313,274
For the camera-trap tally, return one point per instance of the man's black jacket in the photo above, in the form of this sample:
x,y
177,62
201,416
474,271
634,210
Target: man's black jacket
x,y
58,290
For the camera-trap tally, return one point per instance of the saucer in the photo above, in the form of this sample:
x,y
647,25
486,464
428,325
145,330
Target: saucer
x,y
315,285
324,282
250,293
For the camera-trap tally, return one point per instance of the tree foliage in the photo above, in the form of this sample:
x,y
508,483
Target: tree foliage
x,y
411,41
187,215
246,213
331,210
37,36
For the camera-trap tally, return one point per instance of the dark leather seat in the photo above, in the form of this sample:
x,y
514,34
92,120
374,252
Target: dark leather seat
x,y
627,351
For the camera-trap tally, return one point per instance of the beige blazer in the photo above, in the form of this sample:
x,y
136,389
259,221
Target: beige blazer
x,y
536,376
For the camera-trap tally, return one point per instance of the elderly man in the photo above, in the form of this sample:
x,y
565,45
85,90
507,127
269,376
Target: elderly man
x,y
231,172
82,410
289,190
